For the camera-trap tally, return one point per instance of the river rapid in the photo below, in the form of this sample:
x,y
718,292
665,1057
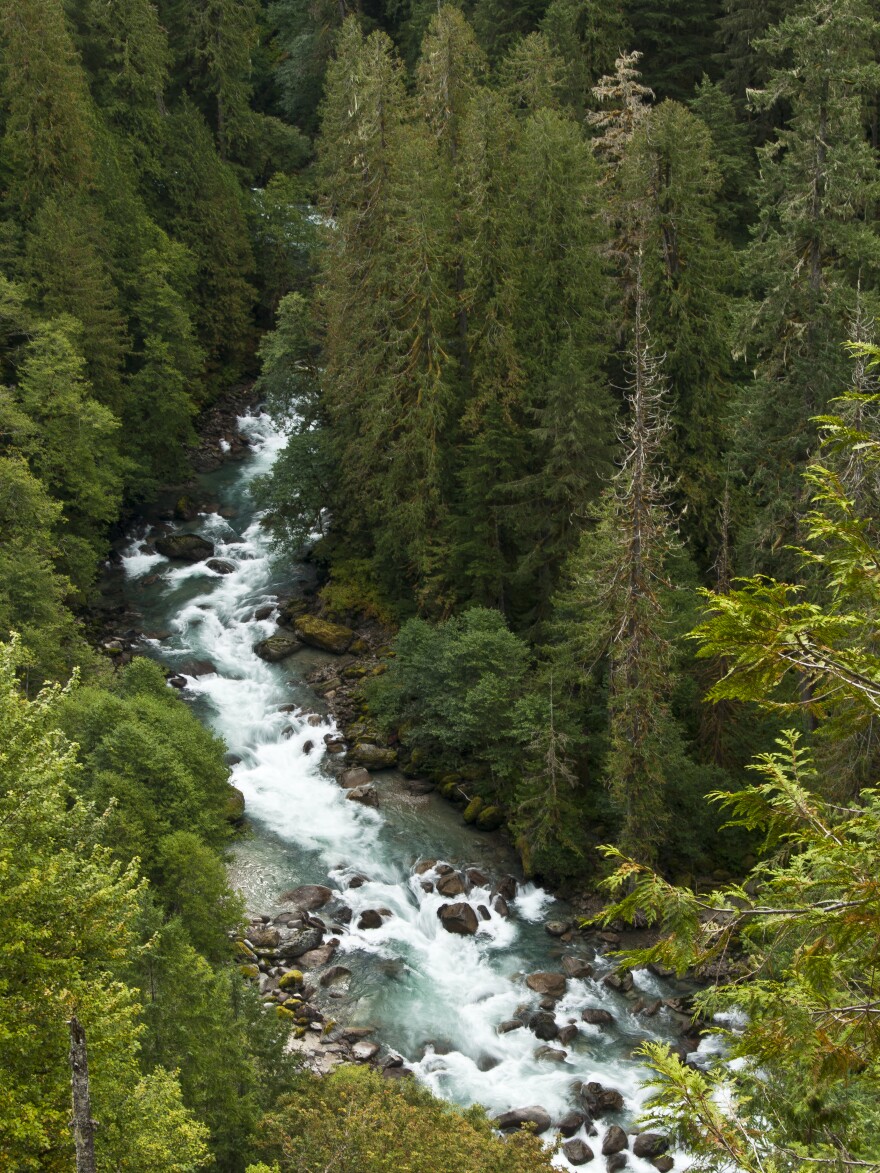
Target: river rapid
x,y
434,998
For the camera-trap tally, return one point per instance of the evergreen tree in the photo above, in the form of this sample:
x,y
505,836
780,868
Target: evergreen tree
x,y
615,585
588,35
813,240
668,186
47,143
678,41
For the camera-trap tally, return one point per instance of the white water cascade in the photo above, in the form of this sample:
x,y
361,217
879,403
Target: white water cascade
x,y
434,998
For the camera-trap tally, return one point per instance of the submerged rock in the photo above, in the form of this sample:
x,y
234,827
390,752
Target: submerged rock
x,y
220,566
458,918
366,795
185,547
450,885
543,1026
571,1123
308,897
370,918
349,779
573,967
596,1017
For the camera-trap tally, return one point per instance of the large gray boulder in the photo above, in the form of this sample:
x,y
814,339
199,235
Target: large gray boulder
x,y
300,943
517,1117
185,547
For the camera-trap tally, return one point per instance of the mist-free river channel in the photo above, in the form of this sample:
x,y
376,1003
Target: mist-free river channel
x,y
434,998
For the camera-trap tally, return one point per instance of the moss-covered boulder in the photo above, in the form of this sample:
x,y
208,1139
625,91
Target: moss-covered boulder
x,y
372,757
235,806
185,547
472,810
290,980
490,818
277,647
321,633
252,972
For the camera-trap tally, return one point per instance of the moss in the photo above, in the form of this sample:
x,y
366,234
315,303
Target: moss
x,y
452,792
251,972
283,1012
490,819
472,809
291,979
243,953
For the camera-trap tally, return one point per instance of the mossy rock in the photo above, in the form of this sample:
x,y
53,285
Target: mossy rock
x,y
327,686
379,670
472,810
490,819
277,647
372,757
250,971
449,779
291,611
359,647
235,806
283,1012
321,633
243,952
185,547
452,792
354,672
291,979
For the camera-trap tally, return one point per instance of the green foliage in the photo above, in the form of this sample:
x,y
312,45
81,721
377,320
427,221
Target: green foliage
x,y
67,910
362,1123
451,689
144,752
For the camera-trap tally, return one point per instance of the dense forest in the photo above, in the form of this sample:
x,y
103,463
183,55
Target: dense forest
x,y
568,310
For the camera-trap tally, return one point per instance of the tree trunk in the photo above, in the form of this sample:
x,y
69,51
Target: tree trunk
x,y
82,1123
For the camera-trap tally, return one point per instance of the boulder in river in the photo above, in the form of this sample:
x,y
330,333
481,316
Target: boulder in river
x,y
596,1017
490,818
534,1114
458,918
317,957
571,1123
334,976
372,757
567,1034
551,1055
358,776
277,647
573,967
321,633
621,982
176,681
543,1025
477,878
370,918
301,942
552,984
185,547
234,806
220,565
264,612
616,1162
500,906
506,888
557,928
263,937
576,1152
508,1025
308,897
450,885
650,1145
615,1140
366,795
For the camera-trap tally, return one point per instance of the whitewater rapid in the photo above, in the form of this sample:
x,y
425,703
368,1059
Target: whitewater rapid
x,y
434,998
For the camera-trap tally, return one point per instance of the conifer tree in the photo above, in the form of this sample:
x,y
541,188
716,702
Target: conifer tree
x,y
667,188
678,41
813,240
588,35
615,586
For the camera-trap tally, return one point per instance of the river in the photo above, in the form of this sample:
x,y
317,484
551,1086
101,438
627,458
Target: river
x,y
434,998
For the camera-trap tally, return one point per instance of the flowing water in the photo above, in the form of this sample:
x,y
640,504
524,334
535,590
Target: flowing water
x,y
434,998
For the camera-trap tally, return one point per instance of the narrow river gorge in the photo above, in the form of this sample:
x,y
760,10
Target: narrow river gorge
x,y
433,998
